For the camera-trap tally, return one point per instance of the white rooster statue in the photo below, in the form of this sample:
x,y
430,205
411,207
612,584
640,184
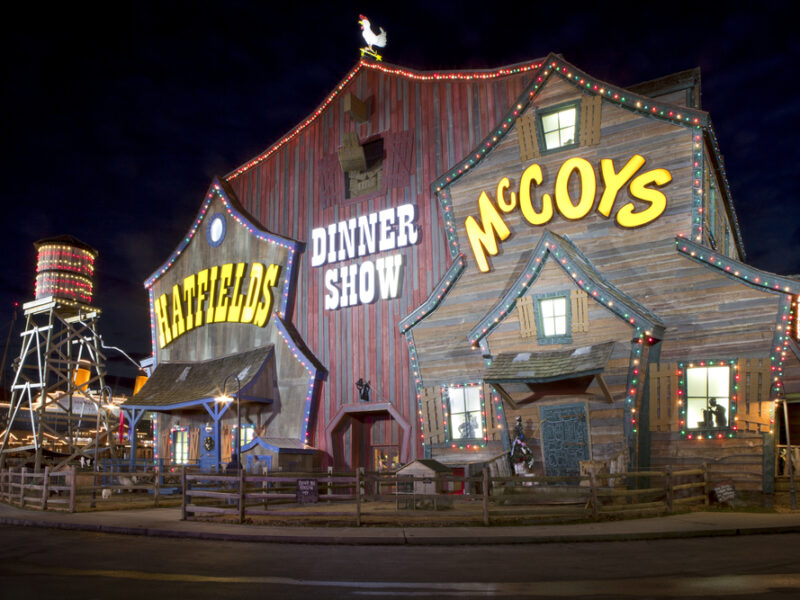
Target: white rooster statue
x,y
371,38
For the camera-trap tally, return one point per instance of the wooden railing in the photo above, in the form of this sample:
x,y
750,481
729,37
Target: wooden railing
x,y
501,498
48,490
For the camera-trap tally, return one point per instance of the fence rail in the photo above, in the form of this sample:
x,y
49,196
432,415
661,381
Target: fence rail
x,y
48,490
578,496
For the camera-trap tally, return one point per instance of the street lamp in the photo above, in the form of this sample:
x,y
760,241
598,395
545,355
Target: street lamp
x,y
224,398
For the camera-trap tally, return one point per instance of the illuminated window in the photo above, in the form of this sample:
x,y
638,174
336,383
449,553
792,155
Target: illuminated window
x,y
466,422
558,127
248,432
180,446
708,397
553,319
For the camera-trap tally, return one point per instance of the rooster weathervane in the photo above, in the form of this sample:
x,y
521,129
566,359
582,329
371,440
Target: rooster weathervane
x,y
371,38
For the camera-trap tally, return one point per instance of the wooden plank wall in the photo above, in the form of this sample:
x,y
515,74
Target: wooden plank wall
x,y
753,406
739,459
293,191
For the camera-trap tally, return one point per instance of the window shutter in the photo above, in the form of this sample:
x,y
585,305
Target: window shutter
x,y
591,111
580,310
528,140
527,318
753,405
663,386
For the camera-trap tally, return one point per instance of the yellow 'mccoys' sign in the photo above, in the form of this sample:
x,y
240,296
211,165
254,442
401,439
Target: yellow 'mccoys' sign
x,y
215,295
484,235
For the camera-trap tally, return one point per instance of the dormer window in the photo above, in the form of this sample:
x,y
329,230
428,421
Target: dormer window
x,y
558,127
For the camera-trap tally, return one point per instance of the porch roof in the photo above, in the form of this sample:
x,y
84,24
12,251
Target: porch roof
x,y
555,365
181,384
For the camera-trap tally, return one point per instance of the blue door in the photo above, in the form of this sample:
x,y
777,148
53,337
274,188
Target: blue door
x,y
208,448
565,438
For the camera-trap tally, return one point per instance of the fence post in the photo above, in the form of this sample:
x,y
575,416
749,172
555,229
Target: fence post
x,y
706,487
45,487
358,498
72,484
241,494
183,493
22,487
485,496
593,495
668,485
330,481
156,487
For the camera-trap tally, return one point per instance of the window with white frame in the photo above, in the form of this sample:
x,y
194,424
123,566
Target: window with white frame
x,y
180,446
466,420
558,126
553,319
708,397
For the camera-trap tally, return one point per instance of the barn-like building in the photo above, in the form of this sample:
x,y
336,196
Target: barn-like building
x,y
431,257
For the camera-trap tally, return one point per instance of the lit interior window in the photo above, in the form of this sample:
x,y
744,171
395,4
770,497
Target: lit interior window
x,y
554,316
708,397
559,128
180,446
465,413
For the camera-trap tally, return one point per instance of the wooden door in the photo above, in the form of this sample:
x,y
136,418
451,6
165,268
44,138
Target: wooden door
x,y
565,438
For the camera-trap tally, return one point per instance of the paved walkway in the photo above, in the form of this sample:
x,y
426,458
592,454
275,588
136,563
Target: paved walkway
x,y
166,522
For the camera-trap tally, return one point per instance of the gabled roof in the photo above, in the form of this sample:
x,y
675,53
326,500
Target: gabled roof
x,y
584,275
762,280
390,70
556,65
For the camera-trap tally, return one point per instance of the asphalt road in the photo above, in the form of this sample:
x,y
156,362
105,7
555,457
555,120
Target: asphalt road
x,y
41,563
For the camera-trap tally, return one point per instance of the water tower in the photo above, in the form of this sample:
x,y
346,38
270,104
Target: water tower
x,y
58,394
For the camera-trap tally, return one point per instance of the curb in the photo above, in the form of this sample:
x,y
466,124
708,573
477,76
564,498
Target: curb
x,y
403,537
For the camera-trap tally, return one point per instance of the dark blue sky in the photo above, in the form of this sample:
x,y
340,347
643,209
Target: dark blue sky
x,y
117,115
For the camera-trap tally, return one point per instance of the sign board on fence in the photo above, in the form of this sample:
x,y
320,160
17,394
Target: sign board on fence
x,y
725,492
307,491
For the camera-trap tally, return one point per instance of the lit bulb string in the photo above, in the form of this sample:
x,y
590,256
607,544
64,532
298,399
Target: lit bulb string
x,y
316,372
436,297
500,415
389,70
585,277
780,349
756,278
414,365
711,137
682,400
639,104
216,191
445,392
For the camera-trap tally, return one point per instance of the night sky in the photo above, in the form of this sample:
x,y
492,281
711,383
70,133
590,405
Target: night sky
x,y
117,115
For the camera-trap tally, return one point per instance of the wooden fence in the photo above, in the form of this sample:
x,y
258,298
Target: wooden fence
x,y
486,499
48,490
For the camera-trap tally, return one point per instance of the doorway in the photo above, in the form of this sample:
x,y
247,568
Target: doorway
x,y
565,438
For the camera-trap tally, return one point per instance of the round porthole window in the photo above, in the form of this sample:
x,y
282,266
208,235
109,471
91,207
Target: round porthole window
x,y
215,231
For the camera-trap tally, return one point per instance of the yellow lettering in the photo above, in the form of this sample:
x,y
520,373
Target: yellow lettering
x,y
533,174
237,299
262,310
202,289
657,200
221,312
614,181
483,238
162,317
177,312
502,186
588,188
212,290
188,296
253,290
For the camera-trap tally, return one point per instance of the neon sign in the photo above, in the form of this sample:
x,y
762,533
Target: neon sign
x,y
364,282
484,235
